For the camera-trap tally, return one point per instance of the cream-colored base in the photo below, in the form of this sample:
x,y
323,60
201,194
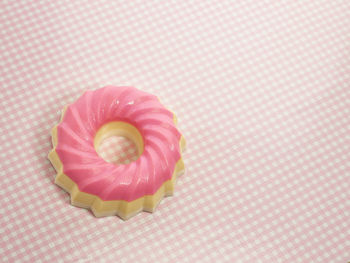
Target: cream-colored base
x,y
121,208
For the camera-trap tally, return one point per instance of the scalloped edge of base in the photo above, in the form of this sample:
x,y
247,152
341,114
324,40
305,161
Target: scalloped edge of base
x,y
121,208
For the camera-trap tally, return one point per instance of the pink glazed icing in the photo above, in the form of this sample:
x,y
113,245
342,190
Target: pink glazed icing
x,y
90,172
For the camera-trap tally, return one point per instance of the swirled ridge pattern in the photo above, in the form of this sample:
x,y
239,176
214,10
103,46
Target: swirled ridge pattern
x,y
93,175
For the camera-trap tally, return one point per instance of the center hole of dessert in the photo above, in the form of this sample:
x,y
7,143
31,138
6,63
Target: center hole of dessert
x,y
118,150
118,142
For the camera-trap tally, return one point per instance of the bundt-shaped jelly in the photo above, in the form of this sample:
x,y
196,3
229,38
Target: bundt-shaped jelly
x,y
123,189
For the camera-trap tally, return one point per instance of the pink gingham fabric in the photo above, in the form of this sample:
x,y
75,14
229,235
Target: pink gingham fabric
x,y
262,94
118,150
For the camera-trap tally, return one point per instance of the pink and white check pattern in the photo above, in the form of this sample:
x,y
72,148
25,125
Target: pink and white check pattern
x,y
118,150
262,93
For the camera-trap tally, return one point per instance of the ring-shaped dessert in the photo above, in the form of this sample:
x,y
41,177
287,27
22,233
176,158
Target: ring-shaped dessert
x,y
123,189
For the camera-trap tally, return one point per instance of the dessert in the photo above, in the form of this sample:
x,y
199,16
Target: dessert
x,y
123,189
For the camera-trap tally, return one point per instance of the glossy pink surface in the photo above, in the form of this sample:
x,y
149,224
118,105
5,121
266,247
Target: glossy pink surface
x,y
94,175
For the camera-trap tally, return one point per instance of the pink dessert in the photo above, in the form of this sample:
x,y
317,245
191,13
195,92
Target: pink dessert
x,y
123,189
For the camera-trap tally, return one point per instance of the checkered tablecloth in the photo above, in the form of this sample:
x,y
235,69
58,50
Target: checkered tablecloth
x,y
262,94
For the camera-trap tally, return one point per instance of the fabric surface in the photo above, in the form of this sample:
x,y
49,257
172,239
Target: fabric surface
x,y
262,94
